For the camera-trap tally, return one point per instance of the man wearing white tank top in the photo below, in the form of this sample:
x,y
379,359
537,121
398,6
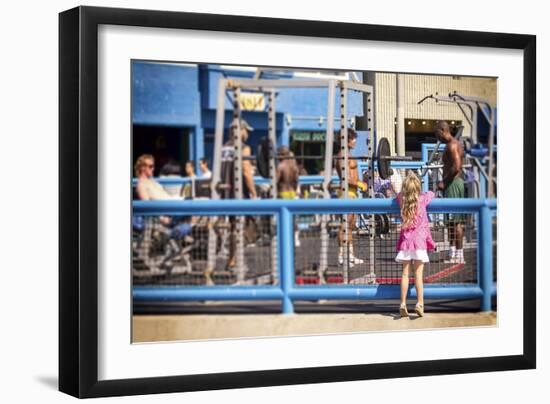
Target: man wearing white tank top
x,y
147,188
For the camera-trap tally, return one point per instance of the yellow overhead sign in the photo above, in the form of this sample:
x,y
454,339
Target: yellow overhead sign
x,y
252,101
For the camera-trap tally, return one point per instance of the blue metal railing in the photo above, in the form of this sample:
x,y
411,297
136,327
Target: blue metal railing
x,y
287,291
303,180
318,179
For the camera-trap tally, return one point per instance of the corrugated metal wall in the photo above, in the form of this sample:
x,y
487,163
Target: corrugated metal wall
x,y
419,86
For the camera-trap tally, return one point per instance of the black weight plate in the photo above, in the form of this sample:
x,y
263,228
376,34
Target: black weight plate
x,y
262,157
383,163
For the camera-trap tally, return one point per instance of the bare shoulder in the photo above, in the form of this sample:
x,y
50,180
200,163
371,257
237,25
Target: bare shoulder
x,y
452,146
140,184
141,190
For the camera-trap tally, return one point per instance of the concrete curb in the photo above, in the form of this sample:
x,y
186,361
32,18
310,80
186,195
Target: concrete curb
x,y
156,328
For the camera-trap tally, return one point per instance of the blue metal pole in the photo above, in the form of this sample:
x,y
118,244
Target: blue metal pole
x,y
482,186
485,245
198,135
285,237
425,161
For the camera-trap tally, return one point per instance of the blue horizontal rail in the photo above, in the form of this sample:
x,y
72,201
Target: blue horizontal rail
x,y
300,206
177,293
383,292
286,291
303,180
314,179
344,292
412,164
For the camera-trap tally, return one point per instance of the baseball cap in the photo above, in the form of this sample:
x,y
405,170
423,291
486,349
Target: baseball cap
x,y
244,124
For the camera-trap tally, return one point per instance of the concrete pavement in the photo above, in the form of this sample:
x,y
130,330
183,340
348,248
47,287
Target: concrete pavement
x,y
156,328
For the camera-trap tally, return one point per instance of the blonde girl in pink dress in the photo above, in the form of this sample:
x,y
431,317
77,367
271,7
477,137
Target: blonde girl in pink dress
x,y
415,239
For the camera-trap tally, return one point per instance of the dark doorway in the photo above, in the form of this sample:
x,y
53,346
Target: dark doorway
x,y
165,143
312,166
310,144
419,131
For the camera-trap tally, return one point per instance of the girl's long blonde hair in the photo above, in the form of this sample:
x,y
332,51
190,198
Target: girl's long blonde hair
x,y
410,193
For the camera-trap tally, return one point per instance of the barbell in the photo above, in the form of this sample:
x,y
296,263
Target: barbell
x,y
382,157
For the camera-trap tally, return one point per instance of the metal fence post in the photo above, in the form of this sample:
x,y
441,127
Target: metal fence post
x,y
485,240
285,235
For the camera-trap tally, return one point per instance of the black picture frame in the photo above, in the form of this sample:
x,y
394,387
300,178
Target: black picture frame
x,y
78,201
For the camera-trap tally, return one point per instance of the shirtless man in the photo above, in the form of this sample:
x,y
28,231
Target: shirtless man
x,y
452,187
288,174
228,164
228,177
353,186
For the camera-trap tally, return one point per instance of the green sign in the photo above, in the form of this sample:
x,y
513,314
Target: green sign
x,y
318,136
302,136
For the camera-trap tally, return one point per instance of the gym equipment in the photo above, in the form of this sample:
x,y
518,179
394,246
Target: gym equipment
x,y
383,157
159,250
266,157
472,104
267,161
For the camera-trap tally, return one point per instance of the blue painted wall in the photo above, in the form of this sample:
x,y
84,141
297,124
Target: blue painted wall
x,y
164,94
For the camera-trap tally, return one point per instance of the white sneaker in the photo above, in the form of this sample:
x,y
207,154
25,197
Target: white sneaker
x,y
455,260
459,260
351,262
356,260
450,259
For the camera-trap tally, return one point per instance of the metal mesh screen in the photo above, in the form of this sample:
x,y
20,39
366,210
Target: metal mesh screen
x,y
182,250
204,250
370,257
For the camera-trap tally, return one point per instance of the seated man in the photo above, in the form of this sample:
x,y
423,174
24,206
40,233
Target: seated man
x,y
147,188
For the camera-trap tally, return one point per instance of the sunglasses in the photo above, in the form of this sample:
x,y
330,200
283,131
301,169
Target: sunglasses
x,y
150,165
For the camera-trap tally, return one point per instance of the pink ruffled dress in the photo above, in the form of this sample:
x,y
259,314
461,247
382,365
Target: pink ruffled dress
x,y
415,241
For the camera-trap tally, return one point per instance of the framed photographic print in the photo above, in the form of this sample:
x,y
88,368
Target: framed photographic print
x,y
251,201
